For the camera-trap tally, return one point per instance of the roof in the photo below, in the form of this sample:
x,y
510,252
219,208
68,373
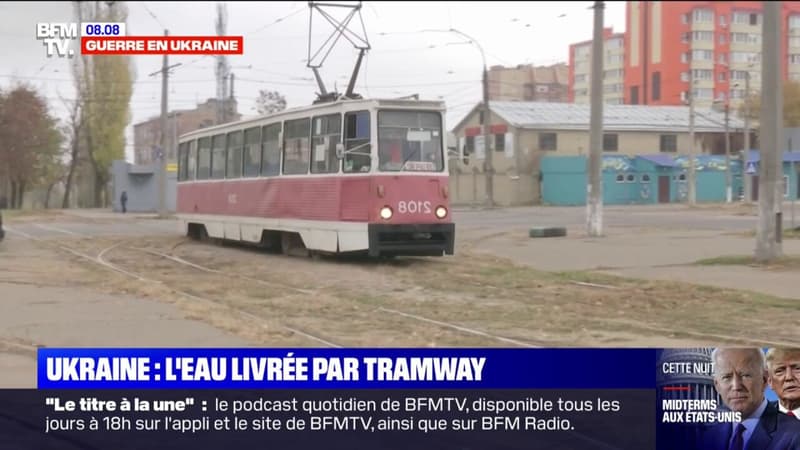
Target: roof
x,y
660,160
575,116
790,157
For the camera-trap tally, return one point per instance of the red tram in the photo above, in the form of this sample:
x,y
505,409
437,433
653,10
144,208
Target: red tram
x,y
350,176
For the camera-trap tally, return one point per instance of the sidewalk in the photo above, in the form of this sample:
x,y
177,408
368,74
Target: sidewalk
x,y
98,213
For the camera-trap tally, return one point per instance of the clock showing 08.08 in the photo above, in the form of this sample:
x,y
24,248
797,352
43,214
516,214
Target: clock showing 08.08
x,y
102,29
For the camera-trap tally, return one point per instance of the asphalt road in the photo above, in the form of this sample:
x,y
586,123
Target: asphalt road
x,y
734,218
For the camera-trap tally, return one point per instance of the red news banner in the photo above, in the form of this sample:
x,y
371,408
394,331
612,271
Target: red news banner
x,y
160,45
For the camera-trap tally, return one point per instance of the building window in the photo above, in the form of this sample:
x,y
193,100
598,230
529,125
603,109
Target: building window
x,y
702,35
645,178
722,20
469,145
656,86
610,143
702,16
794,59
547,141
500,142
620,178
702,55
634,95
722,39
794,21
703,74
721,76
668,143
630,178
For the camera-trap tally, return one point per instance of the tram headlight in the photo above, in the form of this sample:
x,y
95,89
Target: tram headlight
x,y
441,212
386,213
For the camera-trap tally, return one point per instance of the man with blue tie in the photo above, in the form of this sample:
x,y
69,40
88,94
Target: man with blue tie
x,y
740,377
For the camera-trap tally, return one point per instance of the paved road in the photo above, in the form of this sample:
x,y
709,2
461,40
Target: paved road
x,y
733,218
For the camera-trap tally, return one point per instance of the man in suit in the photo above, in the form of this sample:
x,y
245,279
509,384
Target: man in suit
x,y
784,378
740,377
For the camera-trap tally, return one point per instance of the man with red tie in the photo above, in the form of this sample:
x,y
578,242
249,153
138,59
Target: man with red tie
x,y
740,377
784,378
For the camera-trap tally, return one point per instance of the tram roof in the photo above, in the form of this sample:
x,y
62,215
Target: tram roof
x,y
375,102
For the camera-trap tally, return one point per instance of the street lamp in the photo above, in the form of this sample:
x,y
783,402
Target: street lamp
x,y
485,123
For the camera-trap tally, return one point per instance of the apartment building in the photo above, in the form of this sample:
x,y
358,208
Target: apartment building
x,y
714,45
580,63
529,83
147,134
719,42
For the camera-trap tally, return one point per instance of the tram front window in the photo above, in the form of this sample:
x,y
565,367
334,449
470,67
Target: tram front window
x,y
410,141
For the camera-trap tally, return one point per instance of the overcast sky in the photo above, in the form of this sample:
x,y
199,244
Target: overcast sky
x,y
403,59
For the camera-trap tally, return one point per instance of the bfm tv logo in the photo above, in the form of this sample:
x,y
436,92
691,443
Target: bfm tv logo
x,y
56,37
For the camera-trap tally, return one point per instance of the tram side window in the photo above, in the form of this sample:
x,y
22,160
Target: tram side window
x,y
182,153
296,147
204,159
252,152
235,149
357,157
218,157
327,133
271,138
191,161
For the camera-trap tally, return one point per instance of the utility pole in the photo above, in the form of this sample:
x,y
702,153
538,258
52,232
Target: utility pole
x,y
768,236
161,155
748,178
162,161
487,146
594,191
692,175
728,176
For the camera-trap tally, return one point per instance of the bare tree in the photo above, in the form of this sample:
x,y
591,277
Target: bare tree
x,y
269,102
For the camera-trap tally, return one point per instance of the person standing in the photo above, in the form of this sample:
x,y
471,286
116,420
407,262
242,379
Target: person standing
x,y
123,199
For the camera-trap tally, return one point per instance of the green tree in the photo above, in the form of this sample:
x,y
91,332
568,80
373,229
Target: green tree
x,y
105,87
30,142
791,105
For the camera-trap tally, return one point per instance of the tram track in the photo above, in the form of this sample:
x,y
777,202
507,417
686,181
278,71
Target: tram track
x,y
351,317
375,312
443,331
100,260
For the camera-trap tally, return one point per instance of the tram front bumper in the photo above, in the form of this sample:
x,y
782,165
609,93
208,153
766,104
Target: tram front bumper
x,y
411,239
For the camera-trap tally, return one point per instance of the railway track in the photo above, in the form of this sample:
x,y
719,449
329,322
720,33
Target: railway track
x,y
111,257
